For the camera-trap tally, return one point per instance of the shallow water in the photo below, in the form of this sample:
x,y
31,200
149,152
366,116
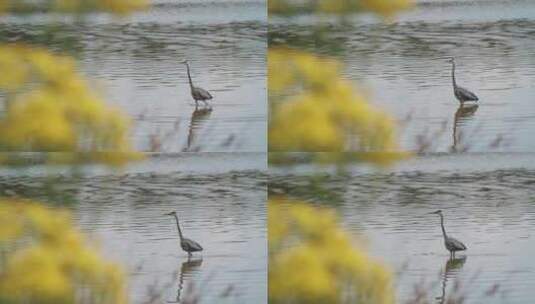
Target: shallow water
x,y
488,201
220,198
135,63
402,65
488,198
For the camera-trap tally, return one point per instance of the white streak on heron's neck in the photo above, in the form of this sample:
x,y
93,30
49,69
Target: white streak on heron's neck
x,y
178,226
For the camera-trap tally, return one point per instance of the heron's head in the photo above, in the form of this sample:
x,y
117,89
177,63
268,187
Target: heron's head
x,y
184,62
171,213
436,212
451,60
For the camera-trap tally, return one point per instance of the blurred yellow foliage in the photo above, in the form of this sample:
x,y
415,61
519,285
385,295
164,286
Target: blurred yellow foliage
x,y
73,6
314,110
312,260
383,7
386,8
50,107
46,260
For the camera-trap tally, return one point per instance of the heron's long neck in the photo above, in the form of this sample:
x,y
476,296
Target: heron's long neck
x,y
189,76
453,74
178,226
441,225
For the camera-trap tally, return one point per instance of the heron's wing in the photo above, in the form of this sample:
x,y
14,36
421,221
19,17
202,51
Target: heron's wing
x,y
467,95
192,244
456,243
203,93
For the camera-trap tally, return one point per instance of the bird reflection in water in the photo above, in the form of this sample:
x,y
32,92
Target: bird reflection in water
x,y
452,269
464,113
198,119
187,270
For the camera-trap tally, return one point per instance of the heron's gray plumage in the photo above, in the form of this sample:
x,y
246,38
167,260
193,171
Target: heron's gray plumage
x,y
454,244
460,93
186,244
463,94
451,244
200,94
190,245
196,92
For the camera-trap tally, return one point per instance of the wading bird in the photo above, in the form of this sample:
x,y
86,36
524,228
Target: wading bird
x,y
196,92
451,244
461,94
187,245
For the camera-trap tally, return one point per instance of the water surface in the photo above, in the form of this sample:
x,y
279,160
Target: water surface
x,y
220,198
402,65
488,201
135,63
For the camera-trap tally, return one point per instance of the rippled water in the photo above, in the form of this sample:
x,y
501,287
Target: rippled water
x,y
220,199
135,61
402,65
487,193
489,204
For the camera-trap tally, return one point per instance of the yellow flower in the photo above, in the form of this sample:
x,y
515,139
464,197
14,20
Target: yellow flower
x,y
120,7
312,260
50,107
314,110
386,7
383,7
11,60
35,271
47,260
37,123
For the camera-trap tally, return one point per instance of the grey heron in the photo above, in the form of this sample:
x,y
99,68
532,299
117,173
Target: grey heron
x,y
460,93
452,245
187,245
196,92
